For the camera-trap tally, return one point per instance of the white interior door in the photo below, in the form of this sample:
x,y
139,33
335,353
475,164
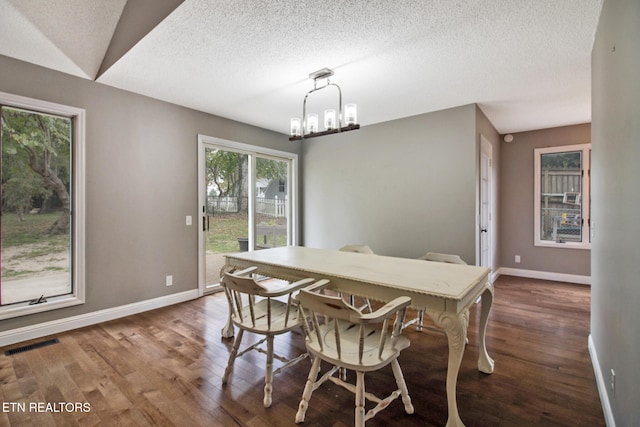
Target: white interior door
x,y
486,203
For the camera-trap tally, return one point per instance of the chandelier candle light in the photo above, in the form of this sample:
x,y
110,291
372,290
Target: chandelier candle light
x,y
308,127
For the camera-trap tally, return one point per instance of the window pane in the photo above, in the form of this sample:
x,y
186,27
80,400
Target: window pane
x,y
36,214
561,197
272,210
227,221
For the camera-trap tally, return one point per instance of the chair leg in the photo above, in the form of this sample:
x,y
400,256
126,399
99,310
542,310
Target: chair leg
x,y
420,320
268,376
308,389
397,373
360,399
232,356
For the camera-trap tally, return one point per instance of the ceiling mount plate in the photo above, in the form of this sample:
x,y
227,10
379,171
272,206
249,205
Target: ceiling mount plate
x,y
321,74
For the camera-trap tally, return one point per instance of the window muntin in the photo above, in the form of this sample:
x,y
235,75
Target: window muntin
x,y
562,196
43,206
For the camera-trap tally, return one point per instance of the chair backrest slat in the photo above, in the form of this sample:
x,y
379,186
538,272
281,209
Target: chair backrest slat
x,y
316,327
340,317
336,336
241,294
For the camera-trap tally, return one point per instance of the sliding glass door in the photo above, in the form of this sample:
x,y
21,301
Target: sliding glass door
x,y
245,201
225,213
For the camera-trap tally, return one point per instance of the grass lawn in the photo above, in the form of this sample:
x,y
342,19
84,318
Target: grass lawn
x,y
224,231
32,230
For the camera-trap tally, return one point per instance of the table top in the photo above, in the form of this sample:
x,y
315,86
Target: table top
x,y
449,281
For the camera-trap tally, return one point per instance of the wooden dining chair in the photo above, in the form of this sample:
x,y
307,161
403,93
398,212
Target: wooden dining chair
x,y
339,334
256,309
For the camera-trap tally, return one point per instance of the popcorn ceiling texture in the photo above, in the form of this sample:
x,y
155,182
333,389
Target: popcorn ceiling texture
x,y
526,63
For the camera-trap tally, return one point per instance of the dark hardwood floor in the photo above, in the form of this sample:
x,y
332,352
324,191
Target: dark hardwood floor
x,y
164,368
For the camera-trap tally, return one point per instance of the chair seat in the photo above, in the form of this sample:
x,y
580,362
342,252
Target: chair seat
x,y
349,348
262,325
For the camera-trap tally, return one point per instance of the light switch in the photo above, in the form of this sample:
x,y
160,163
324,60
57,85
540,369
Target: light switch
x,y
189,220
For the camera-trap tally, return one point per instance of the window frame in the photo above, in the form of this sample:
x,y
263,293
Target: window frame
x,y
78,120
585,196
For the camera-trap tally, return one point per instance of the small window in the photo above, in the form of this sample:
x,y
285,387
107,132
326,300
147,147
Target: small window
x,y
42,206
562,196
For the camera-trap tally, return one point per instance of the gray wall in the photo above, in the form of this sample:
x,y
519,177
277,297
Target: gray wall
x,y
615,289
403,187
141,182
516,204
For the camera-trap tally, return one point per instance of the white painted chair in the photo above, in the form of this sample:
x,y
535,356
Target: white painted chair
x,y
435,257
254,308
339,334
360,249
448,258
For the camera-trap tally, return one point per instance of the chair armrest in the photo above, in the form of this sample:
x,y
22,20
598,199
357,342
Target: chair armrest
x,y
319,285
245,272
292,287
384,311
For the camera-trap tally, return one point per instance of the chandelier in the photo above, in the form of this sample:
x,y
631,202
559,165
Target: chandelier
x,y
308,126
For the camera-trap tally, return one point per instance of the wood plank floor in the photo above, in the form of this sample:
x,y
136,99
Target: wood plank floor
x,y
164,368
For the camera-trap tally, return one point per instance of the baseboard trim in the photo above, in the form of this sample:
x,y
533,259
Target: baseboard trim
x,y
62,325
602,385
545,275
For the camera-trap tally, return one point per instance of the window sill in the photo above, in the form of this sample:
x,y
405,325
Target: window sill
x,y
567,245
53,303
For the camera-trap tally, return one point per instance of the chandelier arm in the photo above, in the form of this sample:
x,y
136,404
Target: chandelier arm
x,y
304,106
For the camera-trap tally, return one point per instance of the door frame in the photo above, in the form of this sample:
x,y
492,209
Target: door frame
x,y
486,149
204,142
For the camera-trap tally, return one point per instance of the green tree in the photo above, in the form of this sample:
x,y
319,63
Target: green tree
x,y
271,169
41,144
225,172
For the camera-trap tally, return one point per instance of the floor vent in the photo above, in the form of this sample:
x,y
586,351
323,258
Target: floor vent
x,y
31,347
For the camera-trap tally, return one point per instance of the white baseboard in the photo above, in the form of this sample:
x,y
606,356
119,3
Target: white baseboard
x,y
61,325
545,275
602,386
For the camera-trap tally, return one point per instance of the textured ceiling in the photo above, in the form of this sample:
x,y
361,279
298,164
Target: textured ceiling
x,y
526,63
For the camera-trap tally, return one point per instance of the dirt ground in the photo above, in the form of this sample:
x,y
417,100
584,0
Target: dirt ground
x,y
46,274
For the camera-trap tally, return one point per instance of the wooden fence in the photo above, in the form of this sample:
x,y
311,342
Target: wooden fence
x,y
276,207
560,205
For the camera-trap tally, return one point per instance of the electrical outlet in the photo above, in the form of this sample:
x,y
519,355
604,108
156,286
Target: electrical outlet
x,y
613,383
517,259
189,220
169,281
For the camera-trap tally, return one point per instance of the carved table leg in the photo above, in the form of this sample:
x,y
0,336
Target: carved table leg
x,y
485,362
455,325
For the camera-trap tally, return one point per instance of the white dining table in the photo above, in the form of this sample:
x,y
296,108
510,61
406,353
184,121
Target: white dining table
x,y
444,291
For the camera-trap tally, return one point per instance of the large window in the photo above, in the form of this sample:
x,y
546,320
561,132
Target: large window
x,y
562,202
42,206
